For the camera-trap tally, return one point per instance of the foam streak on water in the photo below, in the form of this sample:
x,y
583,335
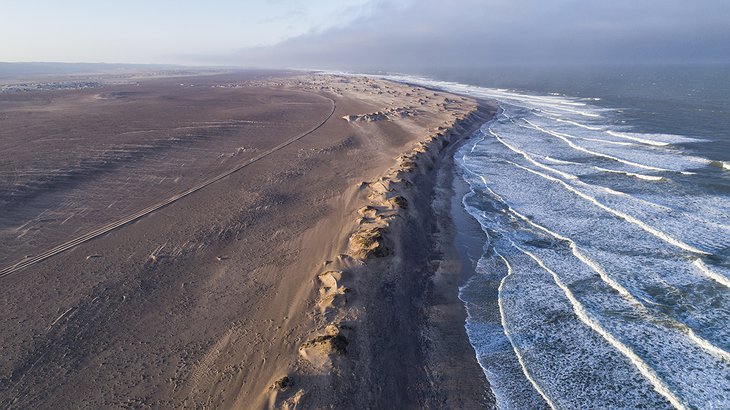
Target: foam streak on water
x,y
605,281
507,333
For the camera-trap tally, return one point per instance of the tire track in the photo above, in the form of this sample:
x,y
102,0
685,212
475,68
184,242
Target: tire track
x,y
146,211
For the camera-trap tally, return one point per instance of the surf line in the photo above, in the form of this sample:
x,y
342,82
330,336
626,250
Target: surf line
x,y
508,334
576,252
628,296
529,158
719,278
599,140
659,385
565,175
637,139
587,151
575,178
622,215
655,232
631,174
522,99
577,124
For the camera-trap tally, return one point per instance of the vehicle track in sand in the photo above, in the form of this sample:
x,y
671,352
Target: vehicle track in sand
x,y
24,263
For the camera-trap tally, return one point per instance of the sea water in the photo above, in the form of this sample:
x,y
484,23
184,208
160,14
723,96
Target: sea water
x,y
604,196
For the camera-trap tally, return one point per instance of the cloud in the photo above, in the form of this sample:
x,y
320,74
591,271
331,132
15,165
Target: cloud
x,y
430,33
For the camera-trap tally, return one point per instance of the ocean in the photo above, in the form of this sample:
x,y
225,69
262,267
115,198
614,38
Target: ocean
x,y
604,196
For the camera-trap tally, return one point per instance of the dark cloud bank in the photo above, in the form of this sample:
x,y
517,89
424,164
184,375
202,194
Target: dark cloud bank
x,y
442,34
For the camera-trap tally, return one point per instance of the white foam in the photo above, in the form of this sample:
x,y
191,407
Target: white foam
x,y
559,161
529,158
623,144
614,192
621,290
696,221
532,101
631,174
598,154
583,258
703,343
622,215
577,124
494,352
599,140
507,333
721,279
637,139
655,331
549,102
659,385
655,138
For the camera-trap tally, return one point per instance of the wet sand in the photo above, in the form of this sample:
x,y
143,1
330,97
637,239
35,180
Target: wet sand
x,y
189,242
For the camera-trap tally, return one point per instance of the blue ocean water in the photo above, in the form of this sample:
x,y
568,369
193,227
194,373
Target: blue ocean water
x,y
604,195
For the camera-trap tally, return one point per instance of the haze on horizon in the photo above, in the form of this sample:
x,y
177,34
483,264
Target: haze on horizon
x,y
368,34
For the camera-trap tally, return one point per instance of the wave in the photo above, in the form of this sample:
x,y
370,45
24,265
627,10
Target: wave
x,y
657,233
564,138
618,288
631,174
559,103
659,385
634,208
637,139
507,333
577,124
656,139
559,161
555,343
709,233
661,322
600,141
574,249
529,158
721,279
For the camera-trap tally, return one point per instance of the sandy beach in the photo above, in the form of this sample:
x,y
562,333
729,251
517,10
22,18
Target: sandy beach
x,y
242,240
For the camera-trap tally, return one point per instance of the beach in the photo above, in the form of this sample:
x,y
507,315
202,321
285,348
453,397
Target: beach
x,y
246,239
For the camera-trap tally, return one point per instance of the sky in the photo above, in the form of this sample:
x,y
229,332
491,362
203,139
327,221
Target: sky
x,y
366,34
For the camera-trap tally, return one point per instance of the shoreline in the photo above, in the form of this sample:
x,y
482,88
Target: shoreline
x,y
398,316
461,241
